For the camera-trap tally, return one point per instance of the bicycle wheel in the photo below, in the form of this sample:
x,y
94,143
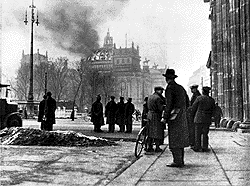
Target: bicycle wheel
x,y
140,142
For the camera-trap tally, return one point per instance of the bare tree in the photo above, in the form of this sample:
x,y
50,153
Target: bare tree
x,y
39,79
21,86
108,83
57,77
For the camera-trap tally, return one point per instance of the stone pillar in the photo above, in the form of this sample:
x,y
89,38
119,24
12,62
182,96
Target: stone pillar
x,y
245,56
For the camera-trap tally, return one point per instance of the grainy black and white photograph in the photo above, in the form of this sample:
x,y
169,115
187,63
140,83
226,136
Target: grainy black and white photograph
x,y
125,92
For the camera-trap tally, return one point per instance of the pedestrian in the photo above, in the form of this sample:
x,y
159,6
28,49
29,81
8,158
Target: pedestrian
x,y
50,108
156,128
97,114
203,111
129,110
218,114
110,113
196,93
25,113
175,115
120,115
41,108
137,114
144,113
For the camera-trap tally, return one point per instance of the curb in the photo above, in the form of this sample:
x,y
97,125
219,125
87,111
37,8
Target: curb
x,y
133,173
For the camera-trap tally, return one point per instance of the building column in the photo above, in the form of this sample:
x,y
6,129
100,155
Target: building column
x,y
245,55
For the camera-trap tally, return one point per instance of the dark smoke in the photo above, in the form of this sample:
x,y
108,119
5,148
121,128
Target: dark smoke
x,y
73,25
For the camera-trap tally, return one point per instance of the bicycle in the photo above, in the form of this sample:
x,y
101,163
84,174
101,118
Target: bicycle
x,y
141,140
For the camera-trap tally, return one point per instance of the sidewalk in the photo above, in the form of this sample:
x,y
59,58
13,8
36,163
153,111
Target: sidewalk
x,y
227,164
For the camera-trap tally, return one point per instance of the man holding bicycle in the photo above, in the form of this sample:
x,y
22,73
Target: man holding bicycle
x,y
155,127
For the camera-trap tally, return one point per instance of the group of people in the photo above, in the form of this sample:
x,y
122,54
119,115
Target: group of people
x,y
116,113
188,120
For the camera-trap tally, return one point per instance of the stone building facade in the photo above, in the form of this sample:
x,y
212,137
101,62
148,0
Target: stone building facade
x,y
133,81
37,58
229,60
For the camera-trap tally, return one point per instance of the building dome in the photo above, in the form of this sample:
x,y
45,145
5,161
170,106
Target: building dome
x,y
102,54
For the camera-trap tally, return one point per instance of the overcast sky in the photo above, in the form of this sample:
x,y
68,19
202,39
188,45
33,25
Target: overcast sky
x,y
175,33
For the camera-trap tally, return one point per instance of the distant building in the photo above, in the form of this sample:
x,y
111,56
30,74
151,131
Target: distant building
x,y
200,77
133,81
37,58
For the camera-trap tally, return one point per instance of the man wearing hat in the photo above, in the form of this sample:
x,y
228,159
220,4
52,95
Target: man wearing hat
x,y
156,103
196,93
110,111
129,110
203,111
97,114
175,115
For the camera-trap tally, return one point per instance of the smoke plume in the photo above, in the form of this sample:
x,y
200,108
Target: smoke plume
x,y
73,25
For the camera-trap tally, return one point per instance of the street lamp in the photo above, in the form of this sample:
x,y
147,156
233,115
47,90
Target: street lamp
x,y
30,103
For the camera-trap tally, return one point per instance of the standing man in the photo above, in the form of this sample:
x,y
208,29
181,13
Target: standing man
x,y
120,114
41,112
50,108
203,111
196,93
156,128
129,110
175,115
110,112
144,113
217,115
97,114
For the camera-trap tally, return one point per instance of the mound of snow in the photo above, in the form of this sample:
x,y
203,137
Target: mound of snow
x,y
30,136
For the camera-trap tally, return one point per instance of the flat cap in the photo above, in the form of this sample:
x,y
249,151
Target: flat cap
x,y
194,86
158,88
206,89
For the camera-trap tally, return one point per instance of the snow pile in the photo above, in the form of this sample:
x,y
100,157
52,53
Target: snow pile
x,y
29,136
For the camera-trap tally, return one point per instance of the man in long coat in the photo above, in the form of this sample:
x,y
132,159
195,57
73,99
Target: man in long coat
x,y
203,111
97,114
156,128
110,112
120,115
41,112
129,110
196,93
50,108
176,101
144,116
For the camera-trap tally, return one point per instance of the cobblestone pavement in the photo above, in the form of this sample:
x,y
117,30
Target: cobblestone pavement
x,y
33,165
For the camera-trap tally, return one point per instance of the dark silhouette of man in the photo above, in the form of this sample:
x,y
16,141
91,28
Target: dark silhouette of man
x,y
156,103
129,110
97,114
120,115
144,113
196,93
41,108
175,115
110,113
217,115
203,111
50,108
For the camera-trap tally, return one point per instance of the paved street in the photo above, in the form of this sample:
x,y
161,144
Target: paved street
x,y
227,164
